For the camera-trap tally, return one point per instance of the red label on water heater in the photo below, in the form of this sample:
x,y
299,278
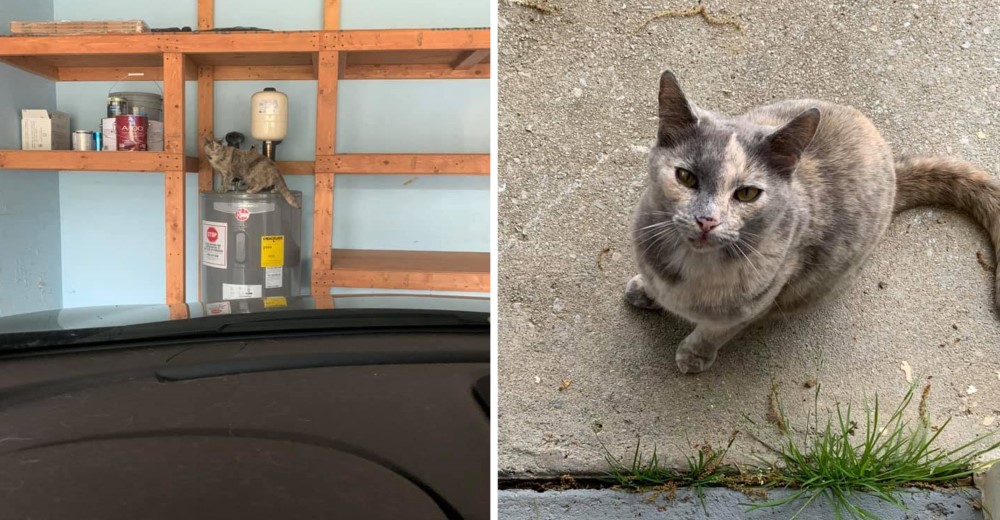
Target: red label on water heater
x,y
242,214
212,234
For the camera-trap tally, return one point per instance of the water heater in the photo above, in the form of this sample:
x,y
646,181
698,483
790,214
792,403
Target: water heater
x,y
250,246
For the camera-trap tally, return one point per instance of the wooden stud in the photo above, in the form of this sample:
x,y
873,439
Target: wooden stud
x,y
206,14
322,228
179,311
471,58
323,301
173,142
405,164
174,227
173,102
153,44
326,144
206,123
331,15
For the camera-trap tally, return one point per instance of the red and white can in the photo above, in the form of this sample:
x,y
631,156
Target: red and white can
x,y
130,133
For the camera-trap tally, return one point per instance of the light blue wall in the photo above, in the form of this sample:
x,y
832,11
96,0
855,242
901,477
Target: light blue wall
x,y
29,200
384,212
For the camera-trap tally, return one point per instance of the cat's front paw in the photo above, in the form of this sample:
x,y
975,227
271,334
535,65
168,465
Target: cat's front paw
x,y
635,294
694,359
690,362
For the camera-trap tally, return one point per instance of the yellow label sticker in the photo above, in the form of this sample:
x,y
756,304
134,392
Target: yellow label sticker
x,y
275,301
272,251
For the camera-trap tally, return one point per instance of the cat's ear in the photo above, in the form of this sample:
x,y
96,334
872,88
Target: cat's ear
x,y
786,144
676,114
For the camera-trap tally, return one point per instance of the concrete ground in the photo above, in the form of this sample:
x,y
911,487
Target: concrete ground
x,y
721,504
577,111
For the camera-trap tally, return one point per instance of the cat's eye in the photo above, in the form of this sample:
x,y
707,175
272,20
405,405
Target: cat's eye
x,y
687,178
747,194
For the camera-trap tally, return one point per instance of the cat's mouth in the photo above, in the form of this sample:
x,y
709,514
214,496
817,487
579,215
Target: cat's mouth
x,y
704,242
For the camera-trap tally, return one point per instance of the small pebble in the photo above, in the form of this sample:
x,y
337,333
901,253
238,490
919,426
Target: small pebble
x,y
971,390
966,45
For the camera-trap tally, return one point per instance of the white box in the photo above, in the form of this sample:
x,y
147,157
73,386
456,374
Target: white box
x,y
44,130
109,140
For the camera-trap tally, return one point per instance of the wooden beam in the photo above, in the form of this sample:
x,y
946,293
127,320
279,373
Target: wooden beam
x,y
206,14
174,227
33,66
470,59
265,72
206,124
323,301
326,144
173,102
296,167
405,164
331,15
155,43
72,160
173,142
111,74
409,270
416,71
405,39
179,311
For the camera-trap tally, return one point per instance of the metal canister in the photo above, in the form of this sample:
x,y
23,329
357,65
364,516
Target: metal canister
x,y
83,140
117,106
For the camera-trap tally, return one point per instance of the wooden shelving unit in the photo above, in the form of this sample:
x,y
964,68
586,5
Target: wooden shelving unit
x,y
325,56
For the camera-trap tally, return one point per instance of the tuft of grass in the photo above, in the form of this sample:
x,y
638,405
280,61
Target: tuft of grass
x,y
704,468
890,454
831,459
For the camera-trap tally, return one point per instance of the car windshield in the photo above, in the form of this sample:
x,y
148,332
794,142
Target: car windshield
x,y
154,171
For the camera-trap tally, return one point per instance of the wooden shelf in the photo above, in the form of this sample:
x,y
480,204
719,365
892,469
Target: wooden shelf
x,y
90,161
406,164
277,55
411,270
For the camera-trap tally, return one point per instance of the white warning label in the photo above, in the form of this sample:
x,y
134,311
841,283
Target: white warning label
x,y
213,244
231,291
273,277
214,309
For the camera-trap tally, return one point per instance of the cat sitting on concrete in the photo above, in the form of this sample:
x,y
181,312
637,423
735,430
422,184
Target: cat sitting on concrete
x,y
773,210
253,169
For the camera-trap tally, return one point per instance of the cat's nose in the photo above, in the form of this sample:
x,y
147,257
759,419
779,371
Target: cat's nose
x,y
707,223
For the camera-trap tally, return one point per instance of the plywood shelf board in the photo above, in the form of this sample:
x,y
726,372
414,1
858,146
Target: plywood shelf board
x,y
409,270
72,160
405,164
409,261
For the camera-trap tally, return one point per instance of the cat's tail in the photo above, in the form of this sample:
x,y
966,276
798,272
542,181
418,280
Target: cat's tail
x,y
932,181
282,188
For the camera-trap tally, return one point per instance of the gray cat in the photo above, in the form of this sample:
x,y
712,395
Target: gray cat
x,y
253,169
773,210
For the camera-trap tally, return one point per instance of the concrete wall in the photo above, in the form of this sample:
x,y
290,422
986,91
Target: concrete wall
x,y
29,201
113,236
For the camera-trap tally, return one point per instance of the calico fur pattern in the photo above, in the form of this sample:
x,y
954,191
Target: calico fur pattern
x,y
253,169
827,188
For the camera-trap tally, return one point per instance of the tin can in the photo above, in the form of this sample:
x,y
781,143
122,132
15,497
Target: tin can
x,y
130,133
83,140
117,106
